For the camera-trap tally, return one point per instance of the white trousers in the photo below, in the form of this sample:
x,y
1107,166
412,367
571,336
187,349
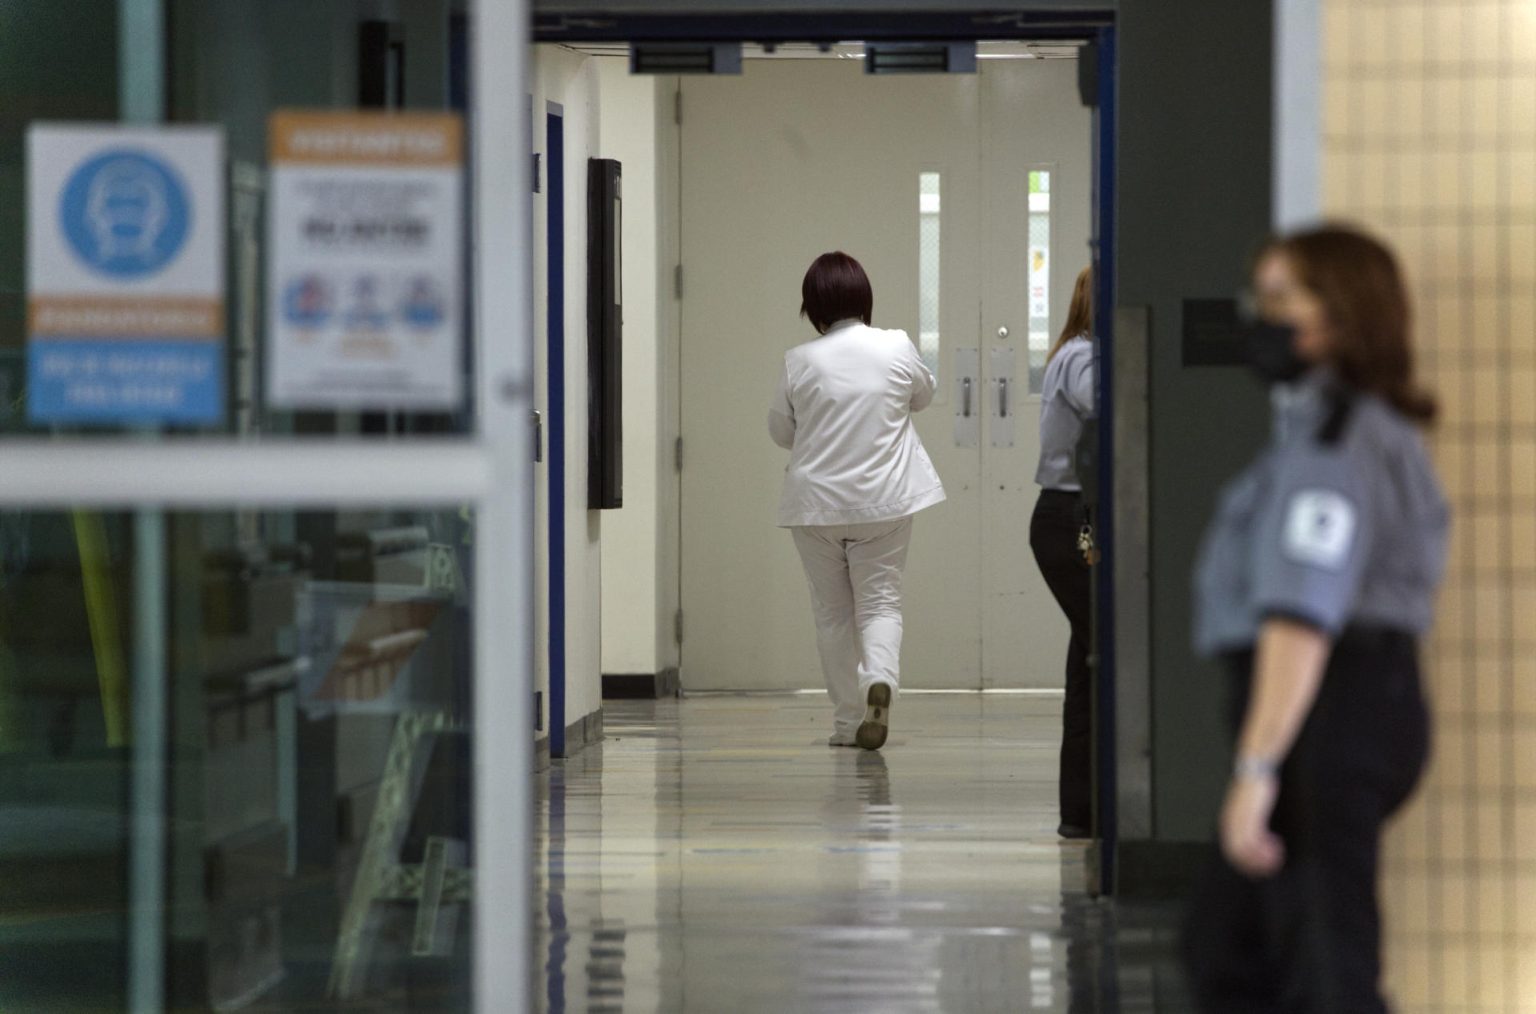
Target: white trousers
x,y
855,577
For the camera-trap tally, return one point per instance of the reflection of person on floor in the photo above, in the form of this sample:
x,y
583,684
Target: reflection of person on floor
x,y
857,473
1066,402
1316,579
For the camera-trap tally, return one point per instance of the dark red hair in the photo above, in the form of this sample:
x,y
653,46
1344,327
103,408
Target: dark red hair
x,y
835,288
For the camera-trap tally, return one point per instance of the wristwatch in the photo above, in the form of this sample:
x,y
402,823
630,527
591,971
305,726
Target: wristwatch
x,y
1254,767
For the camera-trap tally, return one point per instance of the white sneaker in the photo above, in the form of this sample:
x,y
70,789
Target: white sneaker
x,y
842,739
877,717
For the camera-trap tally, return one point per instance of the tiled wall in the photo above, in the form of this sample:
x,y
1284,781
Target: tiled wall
x,y
1430,139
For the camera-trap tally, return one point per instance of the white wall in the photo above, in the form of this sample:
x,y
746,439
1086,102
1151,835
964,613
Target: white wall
x,y
627,132
621,575
570,80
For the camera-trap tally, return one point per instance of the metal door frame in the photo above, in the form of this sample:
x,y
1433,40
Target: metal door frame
x,y
1106,770
554,365
1095,26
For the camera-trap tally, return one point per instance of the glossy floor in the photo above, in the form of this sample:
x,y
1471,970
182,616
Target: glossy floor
x,y
714,855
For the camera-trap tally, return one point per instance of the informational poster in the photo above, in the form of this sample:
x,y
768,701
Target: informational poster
x,y
365,271
125,274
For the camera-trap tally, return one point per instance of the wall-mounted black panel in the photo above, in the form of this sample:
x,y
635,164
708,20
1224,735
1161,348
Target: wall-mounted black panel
x,y
1213,333
920,58
685,58
605,333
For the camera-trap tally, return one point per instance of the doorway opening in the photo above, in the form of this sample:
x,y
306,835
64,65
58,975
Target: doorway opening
x,y
973,199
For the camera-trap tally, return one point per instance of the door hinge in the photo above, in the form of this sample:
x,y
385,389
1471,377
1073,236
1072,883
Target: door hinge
x,y
678,626
677,282
538,437
677,455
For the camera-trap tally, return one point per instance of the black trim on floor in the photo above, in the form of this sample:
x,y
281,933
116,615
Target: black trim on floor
x,y
579,735
643,686
582,733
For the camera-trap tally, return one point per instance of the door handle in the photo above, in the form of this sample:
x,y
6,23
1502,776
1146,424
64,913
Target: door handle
x,y
963,405
1003,360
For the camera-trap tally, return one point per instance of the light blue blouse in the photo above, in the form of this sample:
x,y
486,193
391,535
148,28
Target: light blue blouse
x,y
1066,401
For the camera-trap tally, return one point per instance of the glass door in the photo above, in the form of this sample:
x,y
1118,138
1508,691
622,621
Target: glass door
x,y
265,534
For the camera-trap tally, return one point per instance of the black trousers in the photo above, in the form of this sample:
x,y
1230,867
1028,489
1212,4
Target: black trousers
x,y
1309,938
1053,533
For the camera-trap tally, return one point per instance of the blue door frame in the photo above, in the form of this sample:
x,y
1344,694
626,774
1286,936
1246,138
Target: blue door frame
x,y
1106,766
555,206
1097,26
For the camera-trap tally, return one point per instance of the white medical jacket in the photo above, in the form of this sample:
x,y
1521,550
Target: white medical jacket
x,y
844,411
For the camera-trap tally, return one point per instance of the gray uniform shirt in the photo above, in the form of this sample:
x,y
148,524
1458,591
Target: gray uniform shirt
x,y
1330,534
1066,399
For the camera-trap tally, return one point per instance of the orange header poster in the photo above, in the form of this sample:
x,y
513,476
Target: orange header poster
x,y
366,249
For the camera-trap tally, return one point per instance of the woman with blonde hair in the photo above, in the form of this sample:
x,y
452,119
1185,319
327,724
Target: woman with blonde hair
x,y
1067,402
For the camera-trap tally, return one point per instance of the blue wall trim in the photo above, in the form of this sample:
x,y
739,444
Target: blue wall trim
x,y
556,207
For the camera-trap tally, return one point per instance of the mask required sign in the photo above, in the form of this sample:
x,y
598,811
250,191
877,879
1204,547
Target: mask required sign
x,y
125,275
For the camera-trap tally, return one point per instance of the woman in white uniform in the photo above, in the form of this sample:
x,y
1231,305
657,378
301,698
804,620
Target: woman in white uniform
x,y
857,473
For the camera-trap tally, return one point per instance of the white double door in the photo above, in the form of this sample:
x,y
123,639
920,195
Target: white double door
x,y
798,157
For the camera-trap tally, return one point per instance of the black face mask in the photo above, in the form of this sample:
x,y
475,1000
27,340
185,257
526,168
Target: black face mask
x,y
1272,352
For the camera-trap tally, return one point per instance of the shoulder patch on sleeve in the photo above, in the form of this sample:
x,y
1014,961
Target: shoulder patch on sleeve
x,y
1320,529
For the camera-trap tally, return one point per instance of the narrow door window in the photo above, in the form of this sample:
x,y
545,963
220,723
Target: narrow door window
x,y
929,230
1039,278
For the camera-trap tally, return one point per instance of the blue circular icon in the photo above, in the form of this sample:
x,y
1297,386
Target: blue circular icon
x,y
125,213
307,302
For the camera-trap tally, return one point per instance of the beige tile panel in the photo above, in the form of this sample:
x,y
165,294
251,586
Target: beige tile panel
x,y
1430,112
1446,26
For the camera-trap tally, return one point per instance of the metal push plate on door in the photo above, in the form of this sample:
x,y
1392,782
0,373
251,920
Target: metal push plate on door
x,y
1005,398
967,397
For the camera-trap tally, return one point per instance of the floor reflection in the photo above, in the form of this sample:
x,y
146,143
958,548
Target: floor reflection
x,y
715,855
